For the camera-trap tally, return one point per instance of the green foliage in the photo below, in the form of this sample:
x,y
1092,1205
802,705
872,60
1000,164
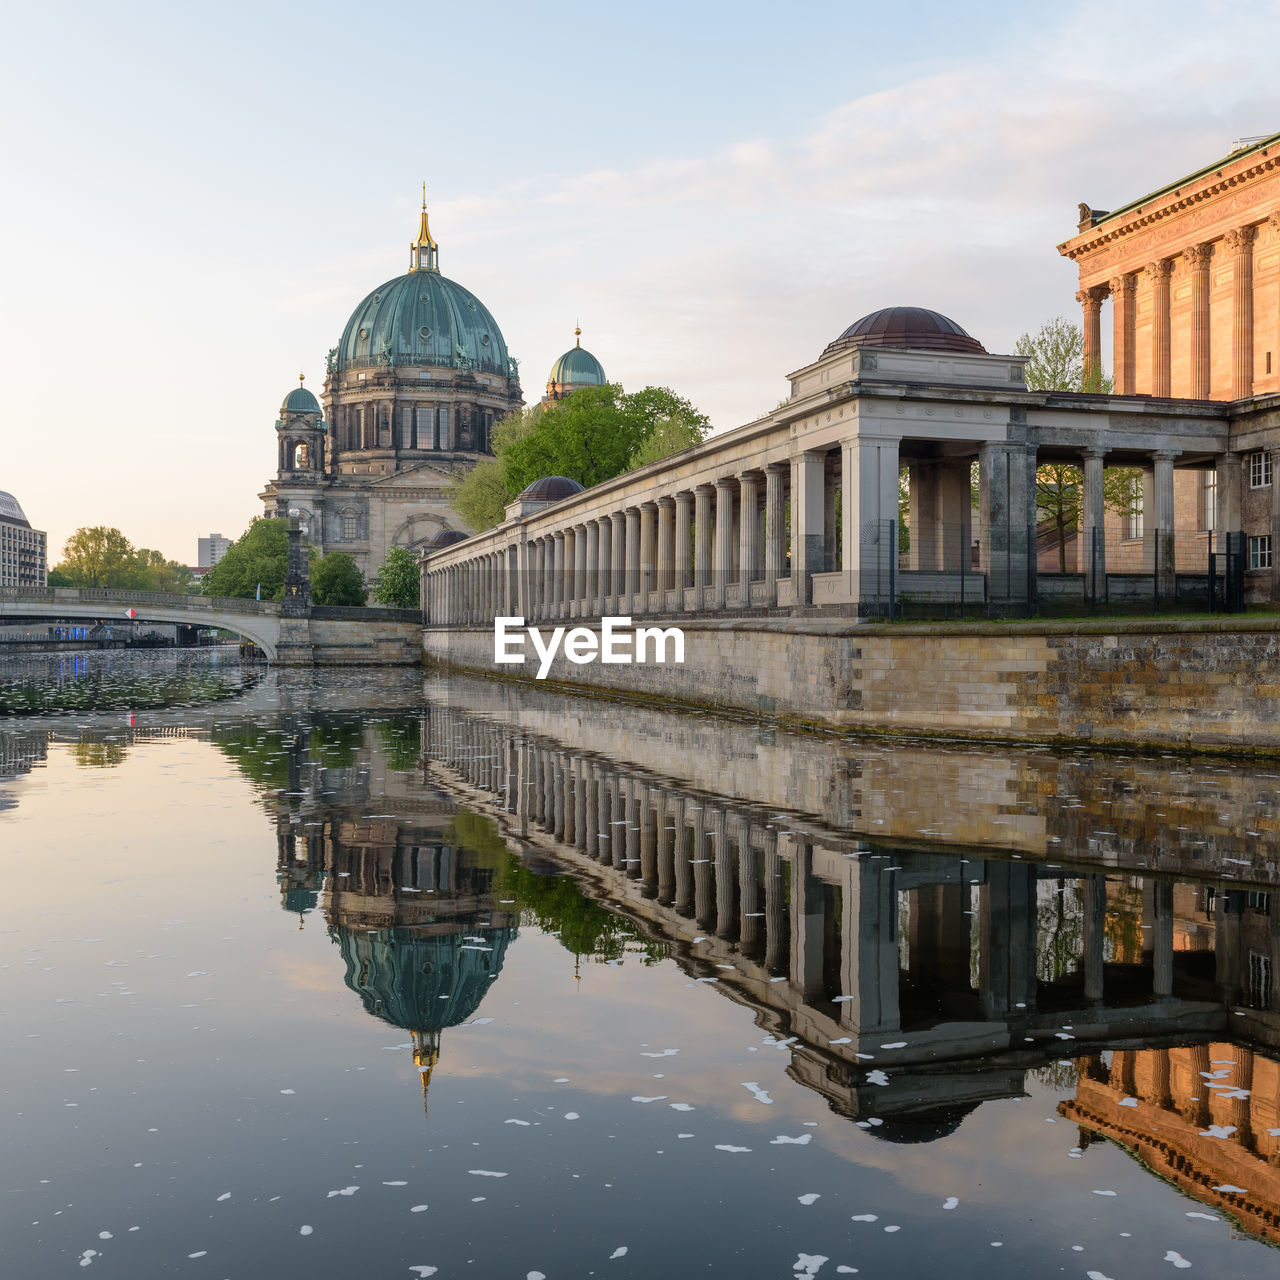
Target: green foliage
x,y
1059,497
101,556
590,436
554,903
259,556
398,581
401,739
1056,359
336,580
668,436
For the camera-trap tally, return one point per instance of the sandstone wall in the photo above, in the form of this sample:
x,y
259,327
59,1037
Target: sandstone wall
x,y
1126,684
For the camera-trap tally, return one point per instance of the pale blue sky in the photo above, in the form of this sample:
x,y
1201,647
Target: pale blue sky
x,y
197,196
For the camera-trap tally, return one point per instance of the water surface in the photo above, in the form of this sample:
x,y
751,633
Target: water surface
x,y
361,974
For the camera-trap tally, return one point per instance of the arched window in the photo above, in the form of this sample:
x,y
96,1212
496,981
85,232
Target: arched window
x,y
301,456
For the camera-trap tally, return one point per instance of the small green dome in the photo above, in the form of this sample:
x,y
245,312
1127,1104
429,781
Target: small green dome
x,y
425,319
577,368
300,400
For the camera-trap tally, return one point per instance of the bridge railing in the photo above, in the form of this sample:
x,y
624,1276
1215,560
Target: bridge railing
x,y
121,595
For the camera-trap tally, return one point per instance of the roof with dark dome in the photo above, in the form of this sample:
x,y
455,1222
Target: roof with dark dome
x,y
300,400
420,981
907,328
577,368
551,489
446,537
424,318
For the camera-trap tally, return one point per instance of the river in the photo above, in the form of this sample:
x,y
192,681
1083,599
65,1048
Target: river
x,y
374,973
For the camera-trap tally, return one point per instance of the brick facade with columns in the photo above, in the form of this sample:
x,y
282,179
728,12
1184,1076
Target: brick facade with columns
x,y
1191,273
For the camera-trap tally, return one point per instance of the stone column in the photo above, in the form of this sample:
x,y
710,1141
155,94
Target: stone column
x,y
702,542
1229,486
775,906
869,948
1094,929
1240,243
1122,359
807,471
558,593
1092,524
869,533
1005,509
806,924
633,557
703,874
682,563
548,577
648,552
724,541
665,566
592,559
775,530
1158,273
749,566
580,588
1162,938
1091,301
1162,518
568,598
666,853
618,562
603,586
1197,258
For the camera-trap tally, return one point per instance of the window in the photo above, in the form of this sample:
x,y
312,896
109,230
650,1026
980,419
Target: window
x,y
1259,980
349,527
1256,900
1131,521
1209,500
1260,552
1259,470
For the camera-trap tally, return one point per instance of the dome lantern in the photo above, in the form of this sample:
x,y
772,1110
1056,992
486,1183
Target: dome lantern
x,y
424,253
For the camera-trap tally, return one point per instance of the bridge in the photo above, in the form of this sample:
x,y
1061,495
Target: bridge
x,y
321,636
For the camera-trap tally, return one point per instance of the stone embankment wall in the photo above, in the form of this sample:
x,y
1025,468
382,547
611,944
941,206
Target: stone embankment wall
x,y
348,642
1209,683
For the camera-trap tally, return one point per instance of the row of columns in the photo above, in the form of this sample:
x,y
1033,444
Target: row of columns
x,y
751,884
1238,243
695,549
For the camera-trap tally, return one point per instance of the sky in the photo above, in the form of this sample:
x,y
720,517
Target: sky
x,y
197,197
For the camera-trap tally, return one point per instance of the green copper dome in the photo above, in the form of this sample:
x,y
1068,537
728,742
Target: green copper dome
x,y
300,400
577,368
417,980
424,318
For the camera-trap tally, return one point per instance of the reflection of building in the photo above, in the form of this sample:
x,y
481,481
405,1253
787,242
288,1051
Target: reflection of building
x,y
23,556
412,390
415,917
1205,1116
956,972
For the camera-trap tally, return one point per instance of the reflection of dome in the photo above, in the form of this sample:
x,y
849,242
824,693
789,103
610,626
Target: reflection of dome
x,y
922,1126
421,981
446,538
424,318
908,328
551,489
298,901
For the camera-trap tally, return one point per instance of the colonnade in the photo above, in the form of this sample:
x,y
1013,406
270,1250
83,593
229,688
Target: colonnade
x,y
820,910
1235,247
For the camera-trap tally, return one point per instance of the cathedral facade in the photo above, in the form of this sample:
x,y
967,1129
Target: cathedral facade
x,y
410,396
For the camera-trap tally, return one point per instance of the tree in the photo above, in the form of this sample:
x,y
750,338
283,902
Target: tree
x,y
96,557
336,579
590,436
259,556
1056,359
103,557
398,582
1056,363
668,436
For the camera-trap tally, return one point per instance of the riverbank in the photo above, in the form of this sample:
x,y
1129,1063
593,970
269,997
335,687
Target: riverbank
x,y
1204,684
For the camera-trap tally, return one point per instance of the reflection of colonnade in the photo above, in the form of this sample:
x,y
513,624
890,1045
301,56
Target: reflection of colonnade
x,y
1205,1116
871,940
